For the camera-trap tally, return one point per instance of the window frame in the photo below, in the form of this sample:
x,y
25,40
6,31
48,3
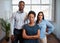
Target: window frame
x,y
53,14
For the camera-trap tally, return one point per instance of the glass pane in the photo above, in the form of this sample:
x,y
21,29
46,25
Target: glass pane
x,y
15,8
27,8
15,1
47,12
36,8
45,1
35,1
27,1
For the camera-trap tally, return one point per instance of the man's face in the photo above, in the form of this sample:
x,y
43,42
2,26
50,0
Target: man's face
x,y
21,6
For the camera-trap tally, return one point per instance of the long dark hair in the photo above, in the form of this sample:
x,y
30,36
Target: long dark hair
x,y
38,15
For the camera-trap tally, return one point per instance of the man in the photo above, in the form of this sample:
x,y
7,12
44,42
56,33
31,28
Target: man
x,y
18,19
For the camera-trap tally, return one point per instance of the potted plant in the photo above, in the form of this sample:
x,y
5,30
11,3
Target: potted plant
x,y
5,26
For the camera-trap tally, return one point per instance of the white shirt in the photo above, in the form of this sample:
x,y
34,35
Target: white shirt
x,y
17,20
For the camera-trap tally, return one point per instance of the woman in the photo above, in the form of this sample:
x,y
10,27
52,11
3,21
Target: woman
x,y
31,31
43,24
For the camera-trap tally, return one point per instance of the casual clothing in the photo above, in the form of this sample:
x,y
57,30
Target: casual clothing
x,y
18,36
17,20
44,40
31,30
16,26
43,25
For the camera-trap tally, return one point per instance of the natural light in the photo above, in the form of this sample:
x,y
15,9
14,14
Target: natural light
x,y
36,5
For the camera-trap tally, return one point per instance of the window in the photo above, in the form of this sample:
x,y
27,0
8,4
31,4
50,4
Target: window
x,y
37,5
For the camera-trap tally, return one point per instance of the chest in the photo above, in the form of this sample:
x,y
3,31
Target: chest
x,y
31,30
19,17
42,25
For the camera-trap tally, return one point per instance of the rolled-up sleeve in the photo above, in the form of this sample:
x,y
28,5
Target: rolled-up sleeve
x,y
12,24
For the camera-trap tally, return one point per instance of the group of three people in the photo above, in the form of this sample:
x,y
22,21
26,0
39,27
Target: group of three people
x,y
29,32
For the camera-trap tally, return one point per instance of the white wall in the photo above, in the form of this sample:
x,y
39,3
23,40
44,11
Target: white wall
x,y
57,22
5,12
5,8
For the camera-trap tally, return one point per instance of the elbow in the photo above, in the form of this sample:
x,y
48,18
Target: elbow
x,y
38,36
23,36
52,28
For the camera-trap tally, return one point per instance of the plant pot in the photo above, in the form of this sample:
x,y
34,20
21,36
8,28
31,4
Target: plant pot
x,y
7,39
4,41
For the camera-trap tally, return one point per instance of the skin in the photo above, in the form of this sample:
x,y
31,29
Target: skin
x,y
21,9
40,17
21,6
25,36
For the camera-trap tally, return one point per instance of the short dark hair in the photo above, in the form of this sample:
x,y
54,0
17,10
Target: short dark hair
x,y
32,12
21,2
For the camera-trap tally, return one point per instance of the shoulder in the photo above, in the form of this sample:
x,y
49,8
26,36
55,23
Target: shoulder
x,y
25,25
37,26
14,13
25,12
48,23
45,21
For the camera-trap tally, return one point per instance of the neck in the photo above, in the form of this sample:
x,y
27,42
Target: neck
x,y
40,20
21,11
31,23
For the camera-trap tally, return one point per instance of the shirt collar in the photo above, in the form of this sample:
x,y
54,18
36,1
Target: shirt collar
x,y
41,22
19,12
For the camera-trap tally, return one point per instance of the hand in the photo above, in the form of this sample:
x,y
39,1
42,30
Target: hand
x,y
47,34
12,37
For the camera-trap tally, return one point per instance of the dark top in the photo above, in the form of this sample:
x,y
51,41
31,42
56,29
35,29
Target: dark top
x,y
31,30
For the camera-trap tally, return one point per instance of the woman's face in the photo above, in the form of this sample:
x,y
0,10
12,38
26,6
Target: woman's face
x,y
40,16
31,18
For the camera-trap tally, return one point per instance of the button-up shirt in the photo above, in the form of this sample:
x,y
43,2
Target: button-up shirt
x,y
43,25
17,20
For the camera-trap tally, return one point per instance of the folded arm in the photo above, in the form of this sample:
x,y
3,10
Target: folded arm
x,y
25,36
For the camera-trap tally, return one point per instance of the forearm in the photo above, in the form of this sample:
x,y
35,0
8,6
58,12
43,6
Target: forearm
x,y
12,28
50,30
25,36
31,37
28,37
12,25
36,36
50,27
